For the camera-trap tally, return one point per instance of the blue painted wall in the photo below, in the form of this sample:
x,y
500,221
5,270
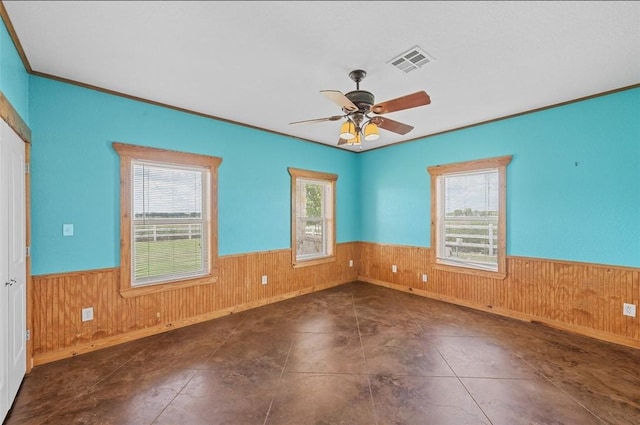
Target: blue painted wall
x,y
75,175
589,212
14,80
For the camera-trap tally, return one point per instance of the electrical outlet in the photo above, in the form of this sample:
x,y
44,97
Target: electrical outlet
x,y
424,277
264,279
394,268
350,263
629,310
87,314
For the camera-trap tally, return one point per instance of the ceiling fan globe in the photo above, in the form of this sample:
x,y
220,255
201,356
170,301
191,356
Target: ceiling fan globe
x,y
371,132
348,130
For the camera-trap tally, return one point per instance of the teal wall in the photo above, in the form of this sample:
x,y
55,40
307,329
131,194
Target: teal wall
x,y
556,209
14,80
589,212
75,175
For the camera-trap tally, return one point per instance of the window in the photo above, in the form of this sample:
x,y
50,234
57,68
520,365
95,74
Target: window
x,y
468,216
168,221
313,226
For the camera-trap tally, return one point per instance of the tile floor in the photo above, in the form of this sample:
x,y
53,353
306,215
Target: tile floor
x,y
355,354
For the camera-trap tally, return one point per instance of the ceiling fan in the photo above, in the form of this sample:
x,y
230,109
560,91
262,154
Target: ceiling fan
x,y
358,105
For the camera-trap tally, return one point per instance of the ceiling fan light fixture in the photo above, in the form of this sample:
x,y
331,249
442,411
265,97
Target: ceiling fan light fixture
x,y
348,130
371,132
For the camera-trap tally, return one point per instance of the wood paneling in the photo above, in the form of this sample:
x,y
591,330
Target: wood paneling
x,y
58,330
580,297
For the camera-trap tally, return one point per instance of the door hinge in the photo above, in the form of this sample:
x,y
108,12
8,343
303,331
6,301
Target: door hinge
x,y
28,334
28,251
27,168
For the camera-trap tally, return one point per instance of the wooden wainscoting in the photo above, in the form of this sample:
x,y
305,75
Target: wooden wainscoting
x,y
58,299
579,297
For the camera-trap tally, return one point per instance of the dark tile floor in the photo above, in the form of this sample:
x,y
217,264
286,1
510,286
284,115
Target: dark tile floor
x,y
355,354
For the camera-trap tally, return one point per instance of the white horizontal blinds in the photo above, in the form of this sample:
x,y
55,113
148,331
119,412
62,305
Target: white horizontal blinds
x,y
169,222
469,219
311,218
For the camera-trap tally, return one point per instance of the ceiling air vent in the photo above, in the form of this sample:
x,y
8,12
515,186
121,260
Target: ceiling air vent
x,y
411,60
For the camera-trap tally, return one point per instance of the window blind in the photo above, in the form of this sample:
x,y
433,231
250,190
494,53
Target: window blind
x,y
169,222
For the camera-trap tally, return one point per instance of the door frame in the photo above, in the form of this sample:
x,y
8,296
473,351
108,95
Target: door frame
x,y
11,116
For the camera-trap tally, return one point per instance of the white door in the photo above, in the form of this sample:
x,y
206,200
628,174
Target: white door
x,y
15,285
17,265
4,279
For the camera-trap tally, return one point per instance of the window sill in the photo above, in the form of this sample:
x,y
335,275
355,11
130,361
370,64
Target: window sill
x,y
139,291
313,262
500,275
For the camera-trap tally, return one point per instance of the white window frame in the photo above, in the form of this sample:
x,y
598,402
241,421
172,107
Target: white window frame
x,y
439,258
130,155
328,181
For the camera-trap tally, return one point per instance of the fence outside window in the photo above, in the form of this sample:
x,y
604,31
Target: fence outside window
x,y
471,238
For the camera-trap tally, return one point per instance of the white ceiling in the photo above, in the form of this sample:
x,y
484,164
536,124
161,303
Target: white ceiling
x,y
263,63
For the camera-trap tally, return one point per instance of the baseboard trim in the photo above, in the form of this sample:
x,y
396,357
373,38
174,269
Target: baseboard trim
x,y
616,339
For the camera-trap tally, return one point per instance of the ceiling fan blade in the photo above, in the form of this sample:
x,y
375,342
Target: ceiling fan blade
x,y
333,118
340,99
391,125
342,141
413,100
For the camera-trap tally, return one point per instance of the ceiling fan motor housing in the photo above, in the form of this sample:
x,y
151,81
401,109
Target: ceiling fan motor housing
x,y
362,99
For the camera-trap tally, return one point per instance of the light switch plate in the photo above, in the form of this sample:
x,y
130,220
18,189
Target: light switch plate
x,y
67,230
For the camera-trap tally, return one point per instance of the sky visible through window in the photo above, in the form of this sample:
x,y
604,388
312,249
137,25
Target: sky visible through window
x,y
476,191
